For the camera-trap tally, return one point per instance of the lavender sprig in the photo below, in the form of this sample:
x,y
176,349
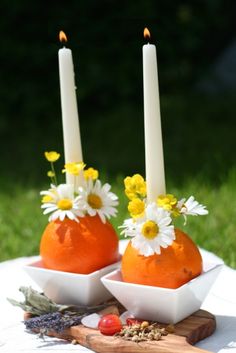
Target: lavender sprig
x,y
55,321
51,316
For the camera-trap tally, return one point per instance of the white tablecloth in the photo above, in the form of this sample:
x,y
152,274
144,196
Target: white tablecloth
x,y
221,301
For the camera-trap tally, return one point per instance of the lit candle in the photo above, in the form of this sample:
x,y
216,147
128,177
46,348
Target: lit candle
x,y
70,117
154,159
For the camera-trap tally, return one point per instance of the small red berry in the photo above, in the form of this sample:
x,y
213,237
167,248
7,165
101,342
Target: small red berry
x,y
131,321
109,324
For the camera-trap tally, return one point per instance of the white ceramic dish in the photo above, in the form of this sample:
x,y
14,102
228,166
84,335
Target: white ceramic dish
x,y
162,304
71,288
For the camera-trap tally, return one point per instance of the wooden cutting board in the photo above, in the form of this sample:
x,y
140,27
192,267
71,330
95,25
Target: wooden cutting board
x,y
187,332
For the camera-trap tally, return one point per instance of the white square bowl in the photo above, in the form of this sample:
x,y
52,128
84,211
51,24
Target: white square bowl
x,y
162,304
71,288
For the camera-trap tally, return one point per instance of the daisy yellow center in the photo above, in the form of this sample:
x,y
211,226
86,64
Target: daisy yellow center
x,y
64,204
150,230
94,201
46,198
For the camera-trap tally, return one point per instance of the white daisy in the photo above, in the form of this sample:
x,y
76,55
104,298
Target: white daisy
x,y
152,231
129,226
97,199
50,195
62,204
192,208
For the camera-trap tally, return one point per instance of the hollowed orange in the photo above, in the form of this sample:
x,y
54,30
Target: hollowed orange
x,y
175,266
81,247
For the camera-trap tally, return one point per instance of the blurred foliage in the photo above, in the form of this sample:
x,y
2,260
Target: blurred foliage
x,y
106,39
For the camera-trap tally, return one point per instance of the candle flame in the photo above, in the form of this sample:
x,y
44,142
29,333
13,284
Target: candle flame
x,y
146,33
62,36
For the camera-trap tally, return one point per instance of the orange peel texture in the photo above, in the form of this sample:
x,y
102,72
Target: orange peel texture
x,y
82,247
175,266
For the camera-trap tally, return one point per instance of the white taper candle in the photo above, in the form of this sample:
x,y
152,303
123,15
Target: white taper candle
x,y
70,117
154,159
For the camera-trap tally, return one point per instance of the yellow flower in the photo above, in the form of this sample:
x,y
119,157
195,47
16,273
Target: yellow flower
x,y
135,186
73,168
176,212
52,156
90,173
46,198
136,207
50,174
168,202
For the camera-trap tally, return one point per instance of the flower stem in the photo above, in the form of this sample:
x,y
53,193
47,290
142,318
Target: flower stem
x,y
74,182
55,177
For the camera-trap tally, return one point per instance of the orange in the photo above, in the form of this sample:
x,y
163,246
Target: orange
x,y
81,247
176,265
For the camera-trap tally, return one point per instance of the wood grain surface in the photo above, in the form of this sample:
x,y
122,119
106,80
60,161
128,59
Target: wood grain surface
x,y
187,332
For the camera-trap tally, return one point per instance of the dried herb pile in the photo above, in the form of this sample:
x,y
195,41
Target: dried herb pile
x,y
144,331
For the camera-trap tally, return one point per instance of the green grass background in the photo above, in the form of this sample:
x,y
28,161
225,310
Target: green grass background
x,y
199,146
22,222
